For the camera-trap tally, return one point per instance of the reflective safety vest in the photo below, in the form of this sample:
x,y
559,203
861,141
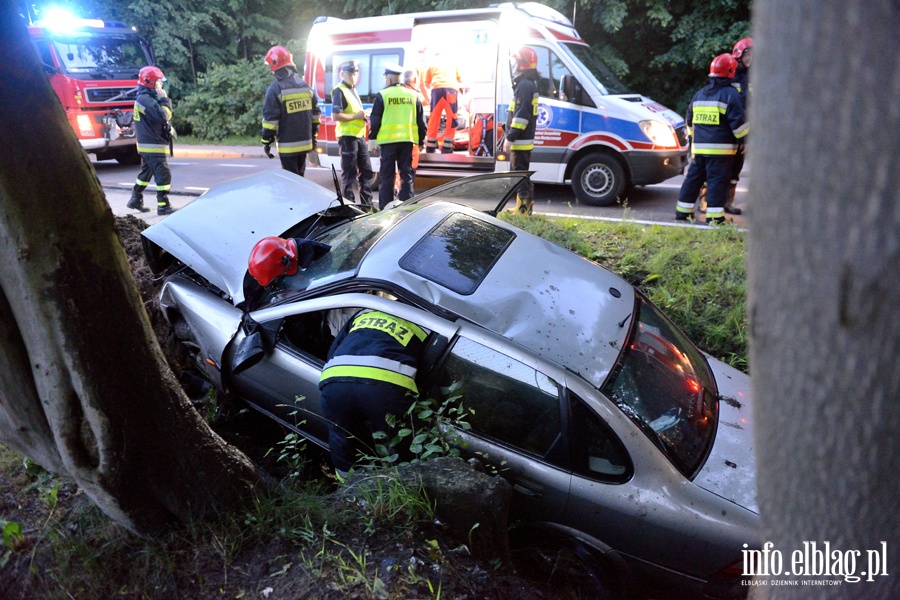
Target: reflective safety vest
x,y
377,347
356,127
398,122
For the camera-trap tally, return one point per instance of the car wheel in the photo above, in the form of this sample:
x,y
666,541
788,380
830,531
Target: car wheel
x,y
564,563
598,179
128,156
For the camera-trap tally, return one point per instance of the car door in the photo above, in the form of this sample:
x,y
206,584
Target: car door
x,y
489,192
285,382
514,413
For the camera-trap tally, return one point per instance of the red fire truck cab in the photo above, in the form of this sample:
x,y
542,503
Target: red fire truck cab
x,y
93,67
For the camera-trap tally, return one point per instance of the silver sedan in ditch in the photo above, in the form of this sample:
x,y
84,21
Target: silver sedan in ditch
x,y
627,448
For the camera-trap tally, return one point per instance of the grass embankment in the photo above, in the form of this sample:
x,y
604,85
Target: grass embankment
x,y
56,544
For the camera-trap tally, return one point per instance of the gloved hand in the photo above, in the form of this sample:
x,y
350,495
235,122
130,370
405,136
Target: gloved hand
x,y
373,146
267,148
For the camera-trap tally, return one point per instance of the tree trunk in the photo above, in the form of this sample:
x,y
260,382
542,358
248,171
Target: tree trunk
x,y
824,259
84,389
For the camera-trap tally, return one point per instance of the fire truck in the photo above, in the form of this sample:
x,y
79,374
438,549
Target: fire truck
x,y
93,66
593,133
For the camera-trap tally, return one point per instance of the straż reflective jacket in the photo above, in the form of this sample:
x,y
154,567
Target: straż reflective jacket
x,y
717,118
290,113
151,121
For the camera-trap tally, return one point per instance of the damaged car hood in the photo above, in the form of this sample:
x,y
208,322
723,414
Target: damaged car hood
x,y
730,470
214,234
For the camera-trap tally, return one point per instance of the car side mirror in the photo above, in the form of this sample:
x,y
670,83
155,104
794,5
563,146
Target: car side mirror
x,y
49,69
569,89
249,352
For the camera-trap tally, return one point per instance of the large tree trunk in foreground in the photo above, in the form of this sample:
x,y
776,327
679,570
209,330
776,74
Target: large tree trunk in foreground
x,y
84,389
824,268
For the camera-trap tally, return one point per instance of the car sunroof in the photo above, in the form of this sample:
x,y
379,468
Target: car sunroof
x,y
458,253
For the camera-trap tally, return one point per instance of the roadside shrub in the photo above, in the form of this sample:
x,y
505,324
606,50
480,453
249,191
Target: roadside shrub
x,y
227,102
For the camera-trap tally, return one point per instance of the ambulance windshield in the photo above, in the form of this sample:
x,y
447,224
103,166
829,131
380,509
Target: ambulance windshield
x,y
596,69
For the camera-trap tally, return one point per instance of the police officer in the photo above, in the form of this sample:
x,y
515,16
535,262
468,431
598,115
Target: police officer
x,y
152,113
370,373
521,121
743,54
716,115
350,128
290,113
397,123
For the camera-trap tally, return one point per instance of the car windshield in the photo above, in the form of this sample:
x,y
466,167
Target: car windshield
x,y
596,69
349,243
113,53
665,386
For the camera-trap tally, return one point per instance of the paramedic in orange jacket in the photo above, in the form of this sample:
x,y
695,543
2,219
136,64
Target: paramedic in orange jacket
x,y
444,81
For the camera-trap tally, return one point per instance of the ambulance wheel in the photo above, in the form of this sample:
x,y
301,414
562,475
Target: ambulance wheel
x,y
598,179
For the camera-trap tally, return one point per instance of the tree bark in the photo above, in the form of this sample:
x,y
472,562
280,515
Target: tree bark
x,y
824,259
85,389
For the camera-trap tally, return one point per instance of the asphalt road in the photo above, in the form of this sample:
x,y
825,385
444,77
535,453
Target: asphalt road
x,y
194,170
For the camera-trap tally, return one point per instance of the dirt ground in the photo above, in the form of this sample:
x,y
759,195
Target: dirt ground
x,y
258,570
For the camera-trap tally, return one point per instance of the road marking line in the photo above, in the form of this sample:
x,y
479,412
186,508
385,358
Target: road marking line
x,y
180,164
202,189
243,166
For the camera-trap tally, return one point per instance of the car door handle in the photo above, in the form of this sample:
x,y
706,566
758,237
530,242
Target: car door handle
x,y
529,488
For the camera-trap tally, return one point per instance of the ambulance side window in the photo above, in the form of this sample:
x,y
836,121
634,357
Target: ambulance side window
x,y
371,76
551,69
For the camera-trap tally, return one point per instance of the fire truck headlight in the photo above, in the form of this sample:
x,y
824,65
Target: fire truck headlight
x,y
660,134
84,125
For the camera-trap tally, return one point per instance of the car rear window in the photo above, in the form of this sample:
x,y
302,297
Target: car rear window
x,y
458,253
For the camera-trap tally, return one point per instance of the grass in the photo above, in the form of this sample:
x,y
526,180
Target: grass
x,y
232,140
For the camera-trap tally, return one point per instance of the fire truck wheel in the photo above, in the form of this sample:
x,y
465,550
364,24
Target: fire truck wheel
x,y
128,156
598,179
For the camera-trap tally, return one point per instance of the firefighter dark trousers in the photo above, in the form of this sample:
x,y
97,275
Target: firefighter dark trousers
x,y
356,167
716,172
295,162
355,409
157,167
520,160
395,157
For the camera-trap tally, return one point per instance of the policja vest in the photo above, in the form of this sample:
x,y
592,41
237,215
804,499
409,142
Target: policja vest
x,y
376,347
398,122
356,127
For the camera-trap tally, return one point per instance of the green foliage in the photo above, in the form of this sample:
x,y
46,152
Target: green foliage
x,y
428,429
697,276
227,102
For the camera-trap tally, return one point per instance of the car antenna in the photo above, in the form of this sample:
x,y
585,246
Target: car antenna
x,y
337,187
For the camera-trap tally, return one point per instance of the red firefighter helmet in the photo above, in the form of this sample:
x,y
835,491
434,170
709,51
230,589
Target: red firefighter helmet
x,y
741,46
526,58
723,65
277,57
148,76
273,257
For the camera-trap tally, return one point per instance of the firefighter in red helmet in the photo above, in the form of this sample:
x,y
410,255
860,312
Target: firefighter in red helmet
x,y
273,257
743,54
716,117
152,116
290,113
522,120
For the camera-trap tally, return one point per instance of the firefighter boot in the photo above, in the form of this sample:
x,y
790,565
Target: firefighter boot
x,y
730,208
162,205
136,202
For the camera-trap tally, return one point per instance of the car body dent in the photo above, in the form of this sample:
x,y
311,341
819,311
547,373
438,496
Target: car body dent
x,y
730,468
214,234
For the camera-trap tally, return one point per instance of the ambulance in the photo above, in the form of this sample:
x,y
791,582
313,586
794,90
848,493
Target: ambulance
x,y
593,133
92,66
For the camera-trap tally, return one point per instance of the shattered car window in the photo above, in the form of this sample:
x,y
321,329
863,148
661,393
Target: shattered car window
x,y
665,386
349,244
